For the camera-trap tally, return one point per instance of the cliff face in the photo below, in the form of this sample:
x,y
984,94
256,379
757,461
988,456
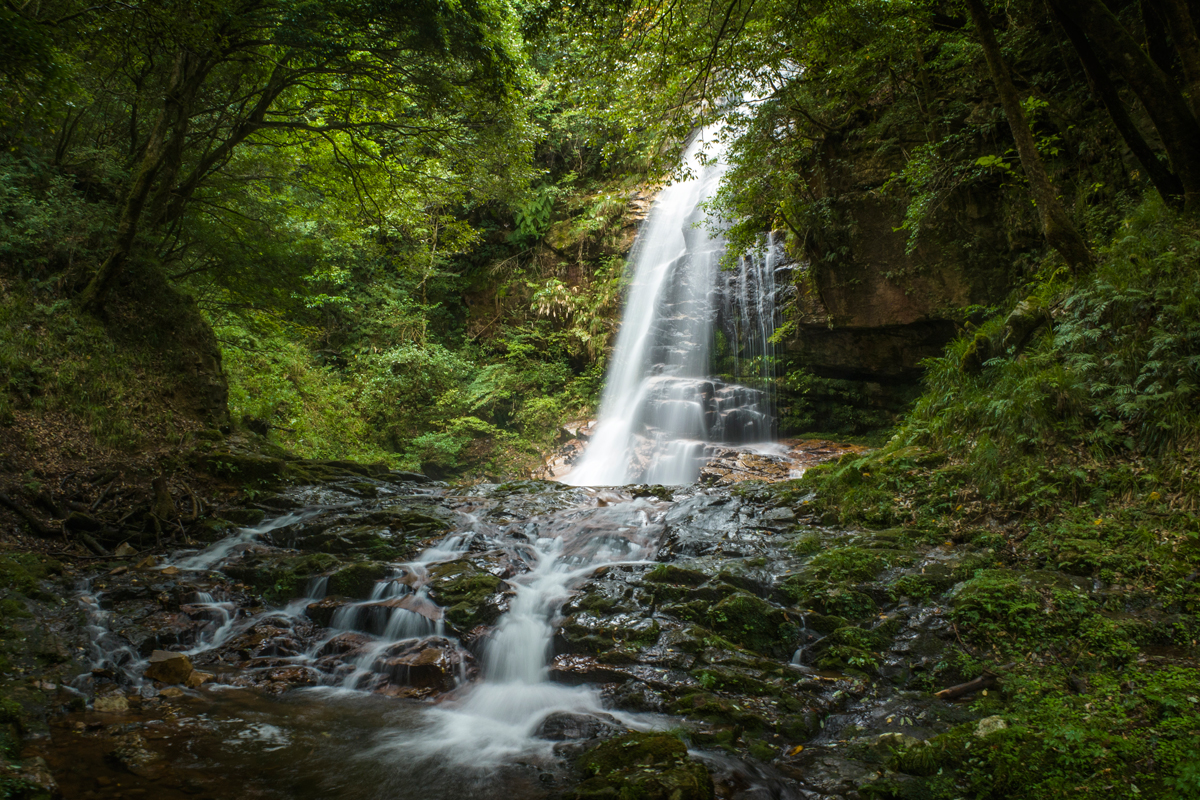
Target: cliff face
x,y
869,307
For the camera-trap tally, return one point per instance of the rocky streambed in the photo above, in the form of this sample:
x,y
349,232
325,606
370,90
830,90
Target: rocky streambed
x,y
379,637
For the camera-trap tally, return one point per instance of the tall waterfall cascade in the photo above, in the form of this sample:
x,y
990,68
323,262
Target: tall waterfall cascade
x,y
663,409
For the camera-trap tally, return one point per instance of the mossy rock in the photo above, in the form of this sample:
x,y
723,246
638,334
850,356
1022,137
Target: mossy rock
x,y
722,711
996,599
754,623
463,590
211,529
678,576
848,563
730,679
643,766
592,633
243,467
25,571
244,517
834,599
280,579
358,580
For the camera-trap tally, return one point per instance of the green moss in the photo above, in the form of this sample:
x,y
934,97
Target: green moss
x,y
669,573
463,589
281,579
754,623
827,598
23,571
848,563
643,766
358,580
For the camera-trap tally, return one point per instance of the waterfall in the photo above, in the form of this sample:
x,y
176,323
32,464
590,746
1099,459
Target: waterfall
x,y
661,409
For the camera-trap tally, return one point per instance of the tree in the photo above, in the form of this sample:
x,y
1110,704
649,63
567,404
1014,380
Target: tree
x,y
1057,227
198,81
1159,94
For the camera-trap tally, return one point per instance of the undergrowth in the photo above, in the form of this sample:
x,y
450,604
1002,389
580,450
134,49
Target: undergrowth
x,y
1072,457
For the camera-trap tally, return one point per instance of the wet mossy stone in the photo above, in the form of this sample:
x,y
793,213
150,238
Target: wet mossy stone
x,y
833,599
996,599
671,574
358,580
755,624
594,633
244,517
848,563
720,710
280,578
463,590
643,766
242,467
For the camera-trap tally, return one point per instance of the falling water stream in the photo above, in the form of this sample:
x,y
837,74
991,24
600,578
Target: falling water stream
x,y
661,407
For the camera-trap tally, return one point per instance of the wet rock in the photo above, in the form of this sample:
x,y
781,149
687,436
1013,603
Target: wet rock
x,y
34,773
754,623
433,663
648,766
590,633
344,643
635,696
823,773
273,637
168,667
279,576
575,670
358,580
565,726
132,754
111,704
198,679
463,590
244,517
322,611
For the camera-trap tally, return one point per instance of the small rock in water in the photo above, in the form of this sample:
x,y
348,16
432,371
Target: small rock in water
x,y
132,753
111,704
125,550
989,725
198,678
169,667
564,726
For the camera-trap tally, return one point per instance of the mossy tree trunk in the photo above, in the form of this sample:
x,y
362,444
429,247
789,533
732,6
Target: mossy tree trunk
x,y
166,137
1057,227
1161,97
1165,181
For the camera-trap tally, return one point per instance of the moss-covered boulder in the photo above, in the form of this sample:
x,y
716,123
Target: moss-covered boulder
x,y
279,578
242,467
755,624
645,766
465,592
358,580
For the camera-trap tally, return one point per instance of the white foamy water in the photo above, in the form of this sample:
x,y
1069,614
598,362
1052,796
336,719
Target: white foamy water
x,y
495,720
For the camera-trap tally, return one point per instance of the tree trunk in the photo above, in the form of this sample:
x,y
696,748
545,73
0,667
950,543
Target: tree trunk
x,y
1160,96
1057,227
95,294
1187,43
1166,182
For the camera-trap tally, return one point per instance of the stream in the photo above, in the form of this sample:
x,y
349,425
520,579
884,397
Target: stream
x,y
508,631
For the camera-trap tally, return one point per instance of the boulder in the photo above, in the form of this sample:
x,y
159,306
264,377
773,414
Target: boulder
x,y
168,667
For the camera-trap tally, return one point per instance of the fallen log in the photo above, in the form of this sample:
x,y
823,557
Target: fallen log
x,y
985,681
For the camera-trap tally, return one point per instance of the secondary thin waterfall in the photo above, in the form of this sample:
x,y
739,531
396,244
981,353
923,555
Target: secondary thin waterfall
x,y
660,410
